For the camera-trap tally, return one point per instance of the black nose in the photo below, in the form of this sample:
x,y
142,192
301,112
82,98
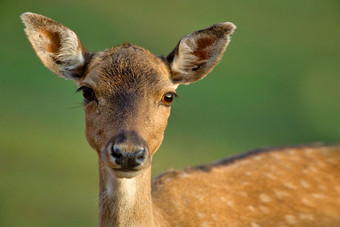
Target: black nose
x,y
128,157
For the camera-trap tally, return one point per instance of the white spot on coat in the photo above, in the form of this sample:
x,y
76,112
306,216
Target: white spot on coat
x,y
318,196
290,185
249,173
323,187
292,152
257,157
264,209
265,198
281,193
251,208
304,184
230,203
185,175
290,219
200,215
270,176
306,201
306,217
254,224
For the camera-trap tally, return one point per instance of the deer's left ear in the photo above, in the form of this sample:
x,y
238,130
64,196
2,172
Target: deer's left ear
x,y
197,53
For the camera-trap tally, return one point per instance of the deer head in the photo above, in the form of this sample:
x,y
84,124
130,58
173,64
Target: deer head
x,y
127,90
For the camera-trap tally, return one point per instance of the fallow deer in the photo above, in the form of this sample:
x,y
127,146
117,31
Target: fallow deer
x,y
127,97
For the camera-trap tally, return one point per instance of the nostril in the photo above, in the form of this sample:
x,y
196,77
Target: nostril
x,y
116,152
140,156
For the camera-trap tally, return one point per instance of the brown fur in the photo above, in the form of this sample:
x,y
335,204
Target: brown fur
x,y
287,186
295,186
54,45
202,44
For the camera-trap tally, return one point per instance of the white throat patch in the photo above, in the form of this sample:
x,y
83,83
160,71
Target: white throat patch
x,y
122,188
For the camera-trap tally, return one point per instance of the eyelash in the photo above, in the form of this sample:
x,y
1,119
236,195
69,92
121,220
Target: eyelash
x,y
88,94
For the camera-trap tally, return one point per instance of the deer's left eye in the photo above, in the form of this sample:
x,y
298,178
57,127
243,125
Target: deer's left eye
x,y
168,98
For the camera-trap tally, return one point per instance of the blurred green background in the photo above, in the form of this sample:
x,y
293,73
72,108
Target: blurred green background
x,y
277,84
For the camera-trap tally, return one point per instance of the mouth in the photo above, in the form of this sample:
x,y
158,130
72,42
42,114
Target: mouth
x,y
125,173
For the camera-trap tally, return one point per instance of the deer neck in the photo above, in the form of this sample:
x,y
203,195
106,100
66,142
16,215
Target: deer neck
x,y
125,202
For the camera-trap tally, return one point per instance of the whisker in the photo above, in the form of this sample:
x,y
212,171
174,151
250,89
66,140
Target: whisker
x,y
77,106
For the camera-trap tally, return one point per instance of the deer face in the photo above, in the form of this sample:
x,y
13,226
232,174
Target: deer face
x,y
127,90
127,96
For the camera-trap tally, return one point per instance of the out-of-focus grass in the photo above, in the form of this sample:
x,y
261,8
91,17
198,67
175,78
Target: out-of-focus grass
x,y
278,83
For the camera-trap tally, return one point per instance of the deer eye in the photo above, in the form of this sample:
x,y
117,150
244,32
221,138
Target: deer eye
x,y
88,94
168,98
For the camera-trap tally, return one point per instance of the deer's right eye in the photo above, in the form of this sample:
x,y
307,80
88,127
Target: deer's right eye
x,y
88,94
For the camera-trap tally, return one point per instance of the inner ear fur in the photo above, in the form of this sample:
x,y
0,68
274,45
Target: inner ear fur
x,y
197,53
57,46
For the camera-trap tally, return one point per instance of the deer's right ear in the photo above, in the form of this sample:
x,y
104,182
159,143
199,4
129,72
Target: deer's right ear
x,y
57,46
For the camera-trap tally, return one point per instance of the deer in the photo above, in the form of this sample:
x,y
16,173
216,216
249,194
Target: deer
x,y
128,92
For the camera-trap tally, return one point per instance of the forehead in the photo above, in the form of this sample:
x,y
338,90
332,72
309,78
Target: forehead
x,y
127,67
